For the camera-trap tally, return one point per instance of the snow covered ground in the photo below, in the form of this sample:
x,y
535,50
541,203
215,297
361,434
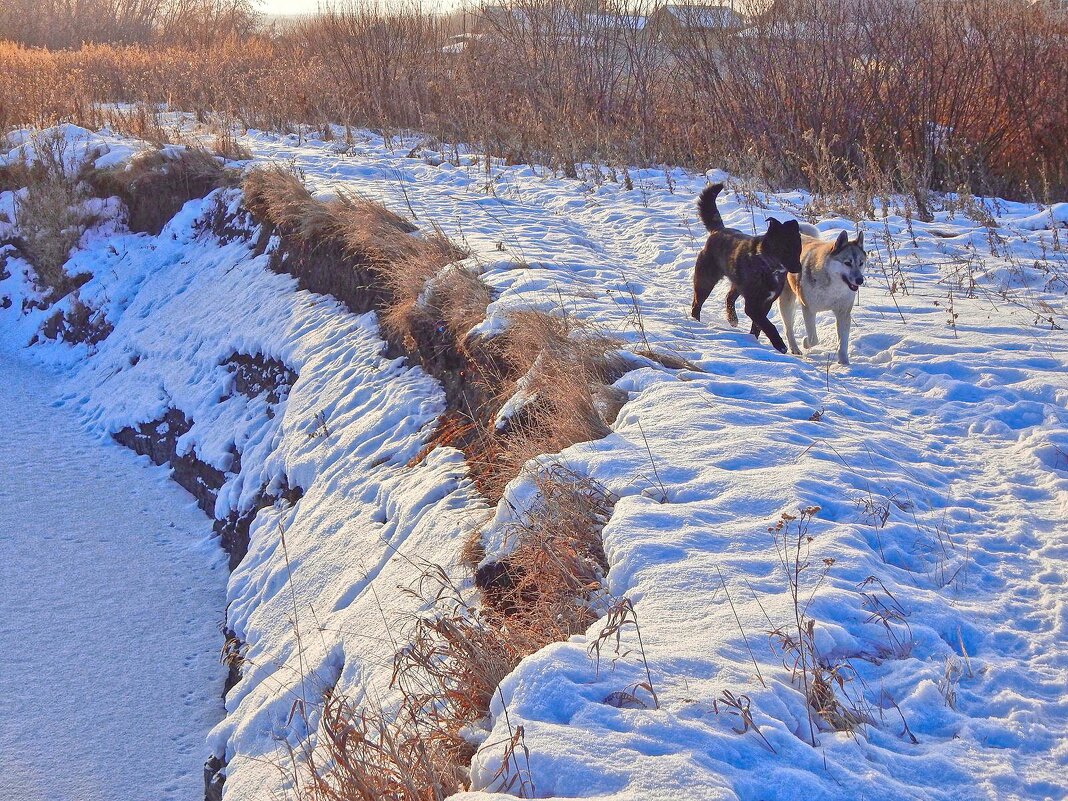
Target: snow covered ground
x,y
111,596
939,461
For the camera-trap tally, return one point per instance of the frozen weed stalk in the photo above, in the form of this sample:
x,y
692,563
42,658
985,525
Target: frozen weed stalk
x,y
816,677
621,615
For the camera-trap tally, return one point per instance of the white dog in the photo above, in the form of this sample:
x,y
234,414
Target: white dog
x,y
831,273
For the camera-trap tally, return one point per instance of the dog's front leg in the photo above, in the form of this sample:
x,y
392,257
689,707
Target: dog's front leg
x,y
844,321
759,315
811,339
787,307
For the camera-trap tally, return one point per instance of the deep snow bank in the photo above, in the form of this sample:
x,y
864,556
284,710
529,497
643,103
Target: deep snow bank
x,y
937,461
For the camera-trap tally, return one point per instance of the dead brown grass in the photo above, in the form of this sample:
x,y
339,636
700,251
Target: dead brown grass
x,y
564,370
546,589
456,655
809,84
331,246
155,184
367,756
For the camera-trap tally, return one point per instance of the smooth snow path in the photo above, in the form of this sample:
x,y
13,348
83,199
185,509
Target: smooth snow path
x,y
110,598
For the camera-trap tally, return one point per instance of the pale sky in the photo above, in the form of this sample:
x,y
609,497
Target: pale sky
x,y
306,6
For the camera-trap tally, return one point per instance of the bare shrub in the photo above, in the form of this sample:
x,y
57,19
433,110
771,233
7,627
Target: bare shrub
x,y
51,220
50,213
54,24
840,95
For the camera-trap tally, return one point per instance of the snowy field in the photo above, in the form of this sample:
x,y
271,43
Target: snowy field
x,y
938,461
111,597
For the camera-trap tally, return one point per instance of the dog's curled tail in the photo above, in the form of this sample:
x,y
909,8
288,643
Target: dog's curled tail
x,y
706,207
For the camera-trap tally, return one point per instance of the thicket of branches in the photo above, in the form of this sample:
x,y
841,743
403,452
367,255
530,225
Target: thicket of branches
x,y
72,23
905,94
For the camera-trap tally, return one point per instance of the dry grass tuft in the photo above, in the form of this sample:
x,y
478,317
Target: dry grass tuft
x,y
561,371
226,146
337,247
824,682
546,589
421,291
155,184
278,197
370,757
361,227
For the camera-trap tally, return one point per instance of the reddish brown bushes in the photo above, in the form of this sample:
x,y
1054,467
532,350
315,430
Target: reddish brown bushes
x,y
901,94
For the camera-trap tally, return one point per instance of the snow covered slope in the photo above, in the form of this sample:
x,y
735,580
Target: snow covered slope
x,y
938,461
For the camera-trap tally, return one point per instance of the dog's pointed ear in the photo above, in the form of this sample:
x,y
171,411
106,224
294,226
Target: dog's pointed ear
x,y
840,243
773,224
792,225
859,242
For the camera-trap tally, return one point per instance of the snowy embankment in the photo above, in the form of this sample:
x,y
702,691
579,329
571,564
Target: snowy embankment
x,y
938,461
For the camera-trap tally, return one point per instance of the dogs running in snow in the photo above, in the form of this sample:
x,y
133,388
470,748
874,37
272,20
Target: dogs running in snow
x,y
755,265
831,273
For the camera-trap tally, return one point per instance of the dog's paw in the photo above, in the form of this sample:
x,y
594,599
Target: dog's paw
x,y
795,350
809,342
843,360
780,348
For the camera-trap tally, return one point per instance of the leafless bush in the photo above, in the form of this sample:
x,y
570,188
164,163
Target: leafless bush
x,y
51,220
49,212
60,24
421,295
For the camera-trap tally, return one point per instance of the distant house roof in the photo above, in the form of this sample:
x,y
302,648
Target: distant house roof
x,y
617,21
497,15
704,17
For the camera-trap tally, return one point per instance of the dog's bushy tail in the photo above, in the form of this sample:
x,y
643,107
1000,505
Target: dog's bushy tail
x,y
706,207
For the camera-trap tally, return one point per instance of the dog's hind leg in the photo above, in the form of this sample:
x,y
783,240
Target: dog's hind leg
x,y
732,299
787,306
705,278
758,313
